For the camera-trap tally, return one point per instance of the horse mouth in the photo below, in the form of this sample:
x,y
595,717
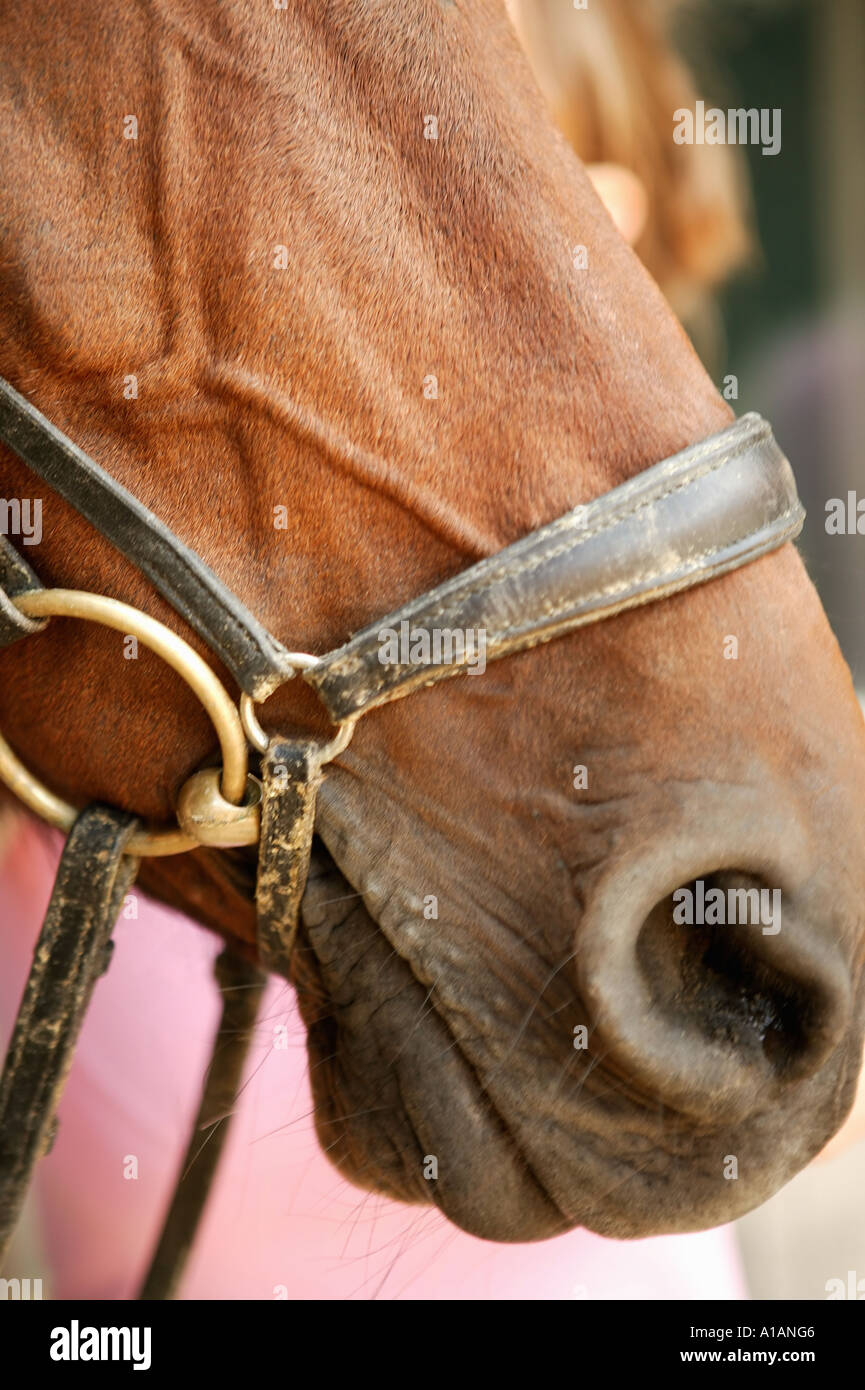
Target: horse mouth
x,y
399,1108
404,1109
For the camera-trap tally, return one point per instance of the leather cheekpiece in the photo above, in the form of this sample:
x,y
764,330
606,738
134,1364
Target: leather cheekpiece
x,y
16,577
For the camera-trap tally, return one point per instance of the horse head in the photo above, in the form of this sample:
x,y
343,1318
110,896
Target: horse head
x,y
346,313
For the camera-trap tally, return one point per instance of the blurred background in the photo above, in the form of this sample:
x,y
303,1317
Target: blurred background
x,y
763,258
794,320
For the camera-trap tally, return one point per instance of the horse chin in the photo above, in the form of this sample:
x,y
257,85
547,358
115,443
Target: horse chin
x,y
657,1174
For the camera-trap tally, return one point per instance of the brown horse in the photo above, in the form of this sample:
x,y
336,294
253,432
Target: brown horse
x,y
321,264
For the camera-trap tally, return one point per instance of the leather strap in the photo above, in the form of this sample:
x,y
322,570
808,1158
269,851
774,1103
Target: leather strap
x,y
291,775
706,510
16,577
71,954
256,659
241,986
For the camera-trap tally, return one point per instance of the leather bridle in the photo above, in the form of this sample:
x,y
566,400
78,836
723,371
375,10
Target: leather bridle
x,y
712,508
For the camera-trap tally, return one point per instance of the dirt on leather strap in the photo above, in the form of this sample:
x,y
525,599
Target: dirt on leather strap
x,y
73,950
291,774
71,953
713,507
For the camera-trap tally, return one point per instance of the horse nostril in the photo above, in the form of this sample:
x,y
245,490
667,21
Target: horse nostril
x,y
709,974
715,999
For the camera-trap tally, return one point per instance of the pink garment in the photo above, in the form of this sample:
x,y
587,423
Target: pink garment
x,y
281,1221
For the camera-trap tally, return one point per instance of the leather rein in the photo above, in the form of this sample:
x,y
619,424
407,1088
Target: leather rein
x,y
711,508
